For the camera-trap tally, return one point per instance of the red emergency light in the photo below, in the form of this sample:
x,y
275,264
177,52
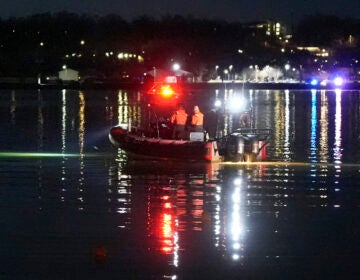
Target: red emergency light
x,y
167,91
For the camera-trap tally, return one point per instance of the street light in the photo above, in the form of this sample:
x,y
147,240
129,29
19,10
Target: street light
x,y
287,68
256,72
176,66
230,68
226,72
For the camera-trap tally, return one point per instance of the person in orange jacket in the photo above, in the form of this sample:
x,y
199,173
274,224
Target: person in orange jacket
x,y
197,120
178,120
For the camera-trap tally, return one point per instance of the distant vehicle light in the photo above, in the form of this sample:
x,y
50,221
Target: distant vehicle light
x,y
338,81
323,83
314,82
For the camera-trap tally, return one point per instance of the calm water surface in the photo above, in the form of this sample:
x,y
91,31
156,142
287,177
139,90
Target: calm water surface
x,y
73,207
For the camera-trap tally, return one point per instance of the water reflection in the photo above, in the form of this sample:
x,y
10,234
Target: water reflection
x,y
314,127
236,221
81,131
13,105
287,151
305,124
324,128
225,205
40,132
338,137
170,219
173,215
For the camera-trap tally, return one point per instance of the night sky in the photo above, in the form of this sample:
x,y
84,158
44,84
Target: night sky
x,y
286,11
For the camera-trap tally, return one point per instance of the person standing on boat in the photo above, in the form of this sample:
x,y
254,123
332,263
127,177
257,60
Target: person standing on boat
x,y
245,119
178,120
197,120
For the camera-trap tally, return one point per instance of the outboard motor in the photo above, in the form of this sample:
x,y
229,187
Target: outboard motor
x,y
235,148
242,149
255,146
245,145
240,145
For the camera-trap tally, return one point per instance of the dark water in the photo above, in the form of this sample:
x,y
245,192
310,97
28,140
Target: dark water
x,y
73,207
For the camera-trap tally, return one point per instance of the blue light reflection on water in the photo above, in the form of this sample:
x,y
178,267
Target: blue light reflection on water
x,y
172,219
307,126
314,122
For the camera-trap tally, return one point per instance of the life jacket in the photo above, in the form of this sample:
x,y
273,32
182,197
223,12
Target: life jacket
x,y
179,117
197,118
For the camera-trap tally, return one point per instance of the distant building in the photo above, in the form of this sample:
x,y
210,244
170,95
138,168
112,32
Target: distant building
x,y
317,51
173,76
268,28
69,75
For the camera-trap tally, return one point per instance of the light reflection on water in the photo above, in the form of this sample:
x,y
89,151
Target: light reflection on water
x,y
307,126
173,219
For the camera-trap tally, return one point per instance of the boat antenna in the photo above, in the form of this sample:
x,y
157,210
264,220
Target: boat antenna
x,y
156,119
157,124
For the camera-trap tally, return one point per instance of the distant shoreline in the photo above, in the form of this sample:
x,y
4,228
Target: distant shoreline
x,y
187,86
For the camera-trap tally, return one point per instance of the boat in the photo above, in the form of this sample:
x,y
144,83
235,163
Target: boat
x,y
242,145
135,142
245,143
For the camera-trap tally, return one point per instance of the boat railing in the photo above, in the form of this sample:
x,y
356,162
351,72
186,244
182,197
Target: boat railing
x,y
261,134
252,131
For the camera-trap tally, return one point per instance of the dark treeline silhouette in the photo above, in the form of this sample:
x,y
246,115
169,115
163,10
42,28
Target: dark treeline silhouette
x,y
324,30
44,42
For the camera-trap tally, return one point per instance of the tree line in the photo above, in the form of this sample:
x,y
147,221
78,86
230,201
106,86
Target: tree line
x,y
44,42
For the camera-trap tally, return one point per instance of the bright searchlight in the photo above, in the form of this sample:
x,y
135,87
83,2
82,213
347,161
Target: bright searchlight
x,y
237,104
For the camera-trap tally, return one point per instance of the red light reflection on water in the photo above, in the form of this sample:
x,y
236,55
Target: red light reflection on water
x,y
167,226
167,233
